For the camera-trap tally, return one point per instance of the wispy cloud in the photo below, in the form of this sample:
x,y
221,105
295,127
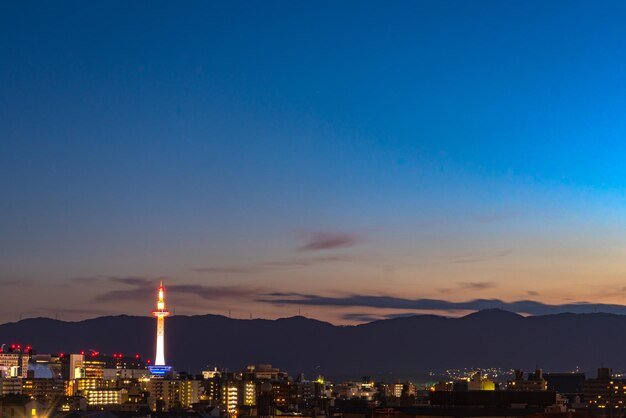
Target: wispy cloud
x,y
214,292
389,302
204,292
328,241
316,241
138,287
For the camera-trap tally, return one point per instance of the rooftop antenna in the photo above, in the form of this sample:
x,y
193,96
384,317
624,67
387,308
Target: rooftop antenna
x,y
229,313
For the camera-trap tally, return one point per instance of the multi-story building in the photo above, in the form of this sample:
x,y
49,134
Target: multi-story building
x,y
396,390
535,382
480,382
166,394
48,390
211,374
570,384
364,390
264,372
75,367
116,374
211,392
102,397
79,387
13,364
410,389
605,392
442,386
282,393
72,403
137,396
45,366
94,368
305,389
321,388
189,392
230,396
163,393
11,385
248,392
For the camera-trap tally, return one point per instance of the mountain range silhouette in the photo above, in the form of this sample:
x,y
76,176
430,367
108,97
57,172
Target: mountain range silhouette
x,y
392,347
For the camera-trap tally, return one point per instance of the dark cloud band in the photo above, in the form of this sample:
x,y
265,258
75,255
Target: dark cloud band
x,y
140,287
388,302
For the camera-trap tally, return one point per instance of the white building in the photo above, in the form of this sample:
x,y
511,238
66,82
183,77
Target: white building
x,y
13,365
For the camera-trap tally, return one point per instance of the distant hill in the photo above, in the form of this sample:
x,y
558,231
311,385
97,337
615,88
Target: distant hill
x,y
393,347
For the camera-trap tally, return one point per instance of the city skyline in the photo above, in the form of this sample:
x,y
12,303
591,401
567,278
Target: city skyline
x,y
344,161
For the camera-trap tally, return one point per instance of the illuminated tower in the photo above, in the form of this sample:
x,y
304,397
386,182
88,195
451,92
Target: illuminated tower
x,y
159,368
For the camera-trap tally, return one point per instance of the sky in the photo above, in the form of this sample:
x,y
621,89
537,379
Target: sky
x,y
348,161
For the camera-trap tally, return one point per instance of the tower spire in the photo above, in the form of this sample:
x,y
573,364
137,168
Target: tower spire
x,y
160,313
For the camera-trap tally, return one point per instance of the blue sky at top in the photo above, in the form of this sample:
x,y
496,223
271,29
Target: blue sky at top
x,y
151,138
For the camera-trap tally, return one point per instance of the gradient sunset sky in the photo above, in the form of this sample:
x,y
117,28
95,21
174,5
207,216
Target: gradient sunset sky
x,y
346,160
